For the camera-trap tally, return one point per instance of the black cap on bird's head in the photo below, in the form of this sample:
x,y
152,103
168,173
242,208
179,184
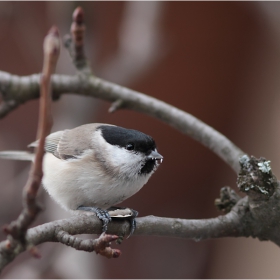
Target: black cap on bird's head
x,y
135,141
129,139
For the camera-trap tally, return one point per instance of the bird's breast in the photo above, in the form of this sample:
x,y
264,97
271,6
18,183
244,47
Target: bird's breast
x,y
72,184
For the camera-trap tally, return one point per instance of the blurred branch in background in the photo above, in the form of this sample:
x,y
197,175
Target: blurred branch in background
x,y
140,45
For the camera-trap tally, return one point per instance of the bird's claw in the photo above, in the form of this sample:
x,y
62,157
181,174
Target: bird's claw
x,y
103,215
116,212
125,213
132,221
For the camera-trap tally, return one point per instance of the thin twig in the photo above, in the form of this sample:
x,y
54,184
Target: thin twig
x,y
17,229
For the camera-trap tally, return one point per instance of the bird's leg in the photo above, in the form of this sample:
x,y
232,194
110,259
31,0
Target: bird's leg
x,y
124,213
103,215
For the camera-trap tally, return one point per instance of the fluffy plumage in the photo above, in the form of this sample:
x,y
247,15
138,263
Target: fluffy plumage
x,y
95,165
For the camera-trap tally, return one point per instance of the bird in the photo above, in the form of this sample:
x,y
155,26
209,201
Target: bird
x,y
95,166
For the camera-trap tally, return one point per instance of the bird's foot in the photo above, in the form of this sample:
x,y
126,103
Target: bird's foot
x,y
103,215
124,213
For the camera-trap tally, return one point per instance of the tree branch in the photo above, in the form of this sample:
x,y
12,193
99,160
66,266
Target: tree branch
x,y
246,218
63,231
17,90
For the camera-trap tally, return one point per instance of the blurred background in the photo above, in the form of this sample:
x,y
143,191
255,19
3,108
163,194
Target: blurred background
x,y
219,61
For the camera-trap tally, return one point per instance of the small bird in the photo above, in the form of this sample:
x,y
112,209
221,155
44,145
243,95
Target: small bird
x,y
95,166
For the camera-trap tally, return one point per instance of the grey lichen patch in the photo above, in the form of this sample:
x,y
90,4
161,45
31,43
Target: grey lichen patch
x,y
262,190
264,166
256,178
244,161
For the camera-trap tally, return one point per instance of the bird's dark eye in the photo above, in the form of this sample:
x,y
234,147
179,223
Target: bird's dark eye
x,y
129,147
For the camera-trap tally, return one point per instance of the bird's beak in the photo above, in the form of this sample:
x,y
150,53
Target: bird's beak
x,y
154,155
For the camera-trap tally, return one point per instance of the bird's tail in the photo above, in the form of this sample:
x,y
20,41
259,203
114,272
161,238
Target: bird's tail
x,y
17,155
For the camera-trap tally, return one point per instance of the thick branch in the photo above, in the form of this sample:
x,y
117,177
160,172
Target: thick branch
x,y
222,226
22,89
246,218
63,231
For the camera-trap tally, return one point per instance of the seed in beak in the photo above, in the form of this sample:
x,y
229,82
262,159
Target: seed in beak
x,y
158,160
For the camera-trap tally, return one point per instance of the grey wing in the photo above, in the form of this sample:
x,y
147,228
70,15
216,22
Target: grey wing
x,y
76,141
51,143
70,143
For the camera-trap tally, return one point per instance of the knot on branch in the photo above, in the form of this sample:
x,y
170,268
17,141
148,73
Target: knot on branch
x,y
256,178
228,198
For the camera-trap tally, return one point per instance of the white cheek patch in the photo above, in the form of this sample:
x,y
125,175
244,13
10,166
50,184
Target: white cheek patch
x,y
127,163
